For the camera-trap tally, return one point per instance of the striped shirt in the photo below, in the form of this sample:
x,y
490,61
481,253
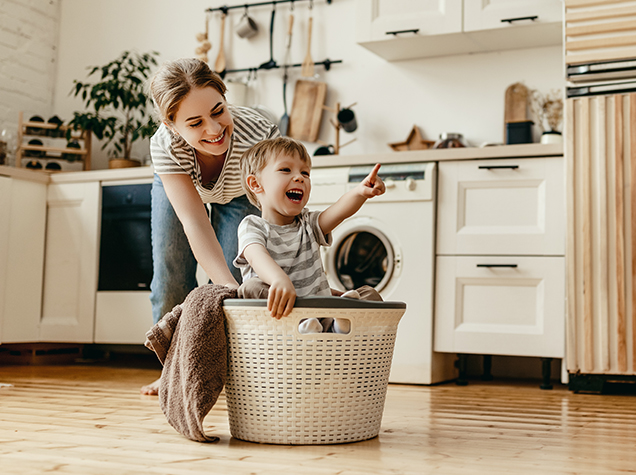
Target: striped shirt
x,y
294,247
172,155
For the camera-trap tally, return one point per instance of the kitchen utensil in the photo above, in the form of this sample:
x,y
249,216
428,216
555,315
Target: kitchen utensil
x,y
246,26
219,64
307,69
347,119
236,92
516,105
284,120
324,150
307,108
450,140
271,63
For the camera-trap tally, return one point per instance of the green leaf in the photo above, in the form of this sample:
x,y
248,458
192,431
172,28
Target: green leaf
x,y
117,98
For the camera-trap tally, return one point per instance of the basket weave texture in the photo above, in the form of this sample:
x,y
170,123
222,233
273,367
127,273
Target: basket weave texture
x,y
284,387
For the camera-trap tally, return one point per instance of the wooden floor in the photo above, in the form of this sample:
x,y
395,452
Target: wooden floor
x,y
92,420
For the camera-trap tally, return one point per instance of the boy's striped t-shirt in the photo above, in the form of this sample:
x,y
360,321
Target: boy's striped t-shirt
x,y
294,247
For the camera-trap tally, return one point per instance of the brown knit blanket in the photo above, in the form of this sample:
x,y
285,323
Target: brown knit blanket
x,y
190,341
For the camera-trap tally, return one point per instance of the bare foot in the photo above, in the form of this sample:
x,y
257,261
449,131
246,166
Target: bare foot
x,y
151,389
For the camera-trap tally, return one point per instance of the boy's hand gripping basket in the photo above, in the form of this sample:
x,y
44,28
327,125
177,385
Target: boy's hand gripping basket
x,y
284,387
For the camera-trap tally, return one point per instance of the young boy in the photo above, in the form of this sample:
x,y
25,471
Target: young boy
x,y
279,254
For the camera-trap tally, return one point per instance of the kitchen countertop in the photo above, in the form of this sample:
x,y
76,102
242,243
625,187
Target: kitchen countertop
x,y
322,161
440,155
24,174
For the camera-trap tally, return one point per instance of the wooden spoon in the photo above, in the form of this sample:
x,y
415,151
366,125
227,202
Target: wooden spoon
x,y
307,69
219,64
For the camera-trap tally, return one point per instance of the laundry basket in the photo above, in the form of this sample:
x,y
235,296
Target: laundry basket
x,y
284,387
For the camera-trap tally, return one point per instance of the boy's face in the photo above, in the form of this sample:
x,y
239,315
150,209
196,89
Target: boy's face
x,y
282,188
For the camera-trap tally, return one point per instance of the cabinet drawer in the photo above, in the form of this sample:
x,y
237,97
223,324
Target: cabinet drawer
x,y
501,207
516,309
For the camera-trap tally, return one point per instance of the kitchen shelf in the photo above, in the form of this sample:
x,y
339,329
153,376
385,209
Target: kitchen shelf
x,y
25,133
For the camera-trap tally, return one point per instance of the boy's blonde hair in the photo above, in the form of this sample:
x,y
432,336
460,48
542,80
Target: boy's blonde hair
x,y
255,159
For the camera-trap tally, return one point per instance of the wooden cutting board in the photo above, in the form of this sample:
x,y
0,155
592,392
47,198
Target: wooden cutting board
x,y
516,107
306,111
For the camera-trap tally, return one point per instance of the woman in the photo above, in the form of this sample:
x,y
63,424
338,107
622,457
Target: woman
x,y
197,197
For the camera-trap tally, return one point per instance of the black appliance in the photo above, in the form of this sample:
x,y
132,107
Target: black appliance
x,y
125,255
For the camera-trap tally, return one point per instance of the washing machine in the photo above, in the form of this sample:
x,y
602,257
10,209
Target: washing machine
x,y
389,244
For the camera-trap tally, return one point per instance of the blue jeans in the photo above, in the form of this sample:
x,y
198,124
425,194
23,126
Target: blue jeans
x,y
174,265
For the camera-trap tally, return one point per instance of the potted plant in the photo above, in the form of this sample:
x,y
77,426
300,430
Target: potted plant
x,y
118,105
548,109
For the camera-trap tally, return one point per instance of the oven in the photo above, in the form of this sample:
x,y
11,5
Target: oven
x,y
122,310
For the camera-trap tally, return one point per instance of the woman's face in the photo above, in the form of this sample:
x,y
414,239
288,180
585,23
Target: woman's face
x,y
204,121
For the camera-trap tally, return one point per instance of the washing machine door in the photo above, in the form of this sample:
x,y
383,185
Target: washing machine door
x,y
362,255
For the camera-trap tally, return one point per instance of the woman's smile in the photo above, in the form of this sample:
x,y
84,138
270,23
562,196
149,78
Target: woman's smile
x,y
216,140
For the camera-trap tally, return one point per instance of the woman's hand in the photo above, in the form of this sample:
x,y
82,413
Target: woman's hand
x,y
282,296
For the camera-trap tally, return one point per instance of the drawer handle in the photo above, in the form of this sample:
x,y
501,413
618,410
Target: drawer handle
x,y
497,265
399,32
498,167
521,18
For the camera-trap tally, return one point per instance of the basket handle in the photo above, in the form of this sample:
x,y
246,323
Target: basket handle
x,y
296,320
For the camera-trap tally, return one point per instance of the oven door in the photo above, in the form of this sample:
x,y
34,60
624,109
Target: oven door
x,y
125,256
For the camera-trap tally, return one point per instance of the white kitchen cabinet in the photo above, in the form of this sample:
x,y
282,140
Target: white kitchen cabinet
x,y
499,14
410,29
22,228
501,207
71,262
500,305
403,17
500,266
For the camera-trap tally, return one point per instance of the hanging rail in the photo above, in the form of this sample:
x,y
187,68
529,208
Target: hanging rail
x,y
326,63
225,8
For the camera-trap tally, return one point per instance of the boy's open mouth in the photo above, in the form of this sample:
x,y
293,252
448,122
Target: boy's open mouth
x,y
295,195
216,140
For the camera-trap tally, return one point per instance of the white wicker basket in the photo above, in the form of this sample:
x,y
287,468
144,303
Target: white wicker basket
x,y
284,387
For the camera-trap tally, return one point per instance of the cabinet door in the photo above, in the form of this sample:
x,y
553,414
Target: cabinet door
x,y
22,228
501,207
494,14
70,267
517,309
379,18
5,193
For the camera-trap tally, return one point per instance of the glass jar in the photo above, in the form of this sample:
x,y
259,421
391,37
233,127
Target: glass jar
x,y
450,140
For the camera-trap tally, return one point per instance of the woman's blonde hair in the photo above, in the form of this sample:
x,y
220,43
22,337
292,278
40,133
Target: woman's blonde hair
x,y
255,159
175,79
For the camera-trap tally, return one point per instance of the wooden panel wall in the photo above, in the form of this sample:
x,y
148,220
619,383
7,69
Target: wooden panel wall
x,y
599,30
601,247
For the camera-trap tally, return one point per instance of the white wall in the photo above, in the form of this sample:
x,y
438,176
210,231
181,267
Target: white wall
x,y
462,94
28,59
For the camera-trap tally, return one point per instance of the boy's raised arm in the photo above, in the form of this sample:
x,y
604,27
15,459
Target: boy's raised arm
x,y
282,293
350,202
